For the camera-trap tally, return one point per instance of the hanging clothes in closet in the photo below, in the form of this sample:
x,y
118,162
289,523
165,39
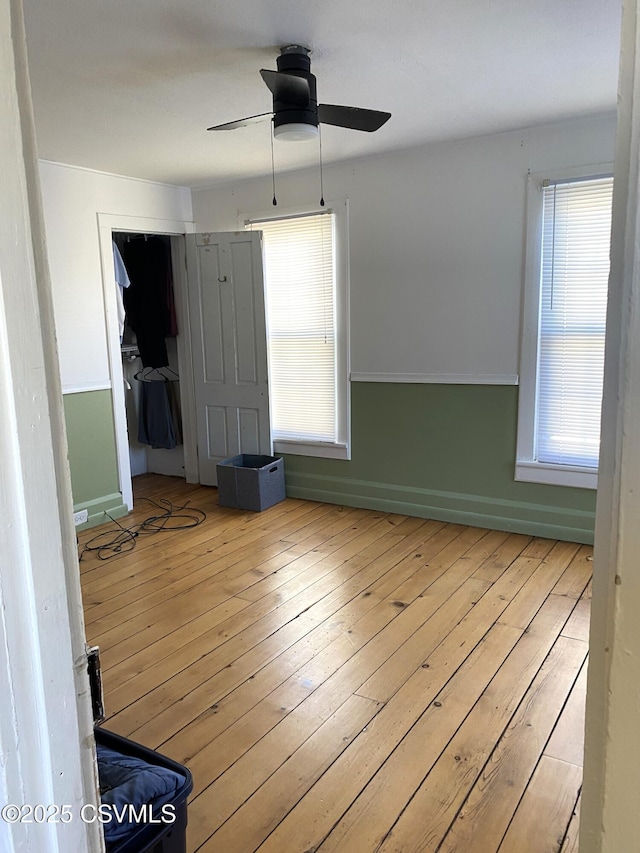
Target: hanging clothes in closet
x,y
149,300
159,423
150,314
155,426
122,283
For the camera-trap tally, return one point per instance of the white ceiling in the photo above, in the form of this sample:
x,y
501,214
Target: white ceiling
x,y
129,86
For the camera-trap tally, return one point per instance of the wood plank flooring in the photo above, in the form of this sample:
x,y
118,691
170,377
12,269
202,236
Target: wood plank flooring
x,y
347,680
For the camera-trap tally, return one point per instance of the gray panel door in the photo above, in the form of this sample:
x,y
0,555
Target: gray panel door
x,y
228,330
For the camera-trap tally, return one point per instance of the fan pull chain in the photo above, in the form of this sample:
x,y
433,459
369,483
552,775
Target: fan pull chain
x,y
321,182
273,171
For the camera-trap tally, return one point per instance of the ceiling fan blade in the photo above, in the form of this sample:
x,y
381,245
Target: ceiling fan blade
x,y
287,87
241,122
352,117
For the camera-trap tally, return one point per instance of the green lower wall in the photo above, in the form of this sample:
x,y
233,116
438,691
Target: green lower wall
x,y
92,455
436,451
444,452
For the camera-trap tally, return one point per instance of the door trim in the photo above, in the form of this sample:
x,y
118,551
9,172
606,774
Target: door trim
x,y
107,224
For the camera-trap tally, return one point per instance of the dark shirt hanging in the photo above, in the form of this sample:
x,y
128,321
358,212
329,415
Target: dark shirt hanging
x,y
148,263
155,425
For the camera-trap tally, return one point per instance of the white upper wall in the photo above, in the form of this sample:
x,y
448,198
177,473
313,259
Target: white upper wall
x,y
72,199
436,243
436,246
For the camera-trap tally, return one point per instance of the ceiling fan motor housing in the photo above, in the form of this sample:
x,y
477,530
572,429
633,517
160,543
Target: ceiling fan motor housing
x,y
296,112
295,60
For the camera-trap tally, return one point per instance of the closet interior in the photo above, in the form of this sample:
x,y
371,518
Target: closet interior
x,y
148,341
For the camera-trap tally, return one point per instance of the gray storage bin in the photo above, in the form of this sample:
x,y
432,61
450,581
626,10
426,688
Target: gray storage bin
x,y
250,481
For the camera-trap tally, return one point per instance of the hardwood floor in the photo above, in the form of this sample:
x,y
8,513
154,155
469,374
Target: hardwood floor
x,y
348,680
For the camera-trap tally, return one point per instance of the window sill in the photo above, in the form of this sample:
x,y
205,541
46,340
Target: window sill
x,y
320,449
556,475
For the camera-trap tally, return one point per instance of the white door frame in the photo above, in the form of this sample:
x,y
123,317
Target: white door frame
x,y
107,224
611,784
46,727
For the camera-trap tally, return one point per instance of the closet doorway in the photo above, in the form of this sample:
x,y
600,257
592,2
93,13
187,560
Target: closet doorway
x,y
125,363
216,365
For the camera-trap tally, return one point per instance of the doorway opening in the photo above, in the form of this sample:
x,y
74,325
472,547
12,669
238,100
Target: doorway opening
x,y
148,330
133,456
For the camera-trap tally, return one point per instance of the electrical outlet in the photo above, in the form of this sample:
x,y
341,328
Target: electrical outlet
x,y
80,517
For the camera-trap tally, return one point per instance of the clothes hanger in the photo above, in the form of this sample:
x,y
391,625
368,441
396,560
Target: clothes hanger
x,y
155,374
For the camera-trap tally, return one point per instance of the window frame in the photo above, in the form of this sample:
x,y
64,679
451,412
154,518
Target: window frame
x,y
341,448
528,468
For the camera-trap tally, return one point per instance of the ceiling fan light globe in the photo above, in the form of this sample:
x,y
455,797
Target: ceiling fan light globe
x,y
296,132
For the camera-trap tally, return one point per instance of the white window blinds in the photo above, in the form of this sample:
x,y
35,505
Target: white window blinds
x,y
301,326
573,303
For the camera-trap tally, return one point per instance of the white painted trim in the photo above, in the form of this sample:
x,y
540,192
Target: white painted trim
x,y
525,447
590,170
456,507
145,224
556,475
439,378
185,360
46,728
526,450
107,224
308,448
611,779
340,210
82,387
74,168
343,327
284,212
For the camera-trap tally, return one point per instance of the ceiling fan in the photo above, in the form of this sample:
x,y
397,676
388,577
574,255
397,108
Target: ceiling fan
x,y
296,111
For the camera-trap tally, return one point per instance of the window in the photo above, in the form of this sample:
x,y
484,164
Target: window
x,y
305,287
564,329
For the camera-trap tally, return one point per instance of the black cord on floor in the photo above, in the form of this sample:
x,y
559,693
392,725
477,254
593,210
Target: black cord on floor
x,y
169,517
